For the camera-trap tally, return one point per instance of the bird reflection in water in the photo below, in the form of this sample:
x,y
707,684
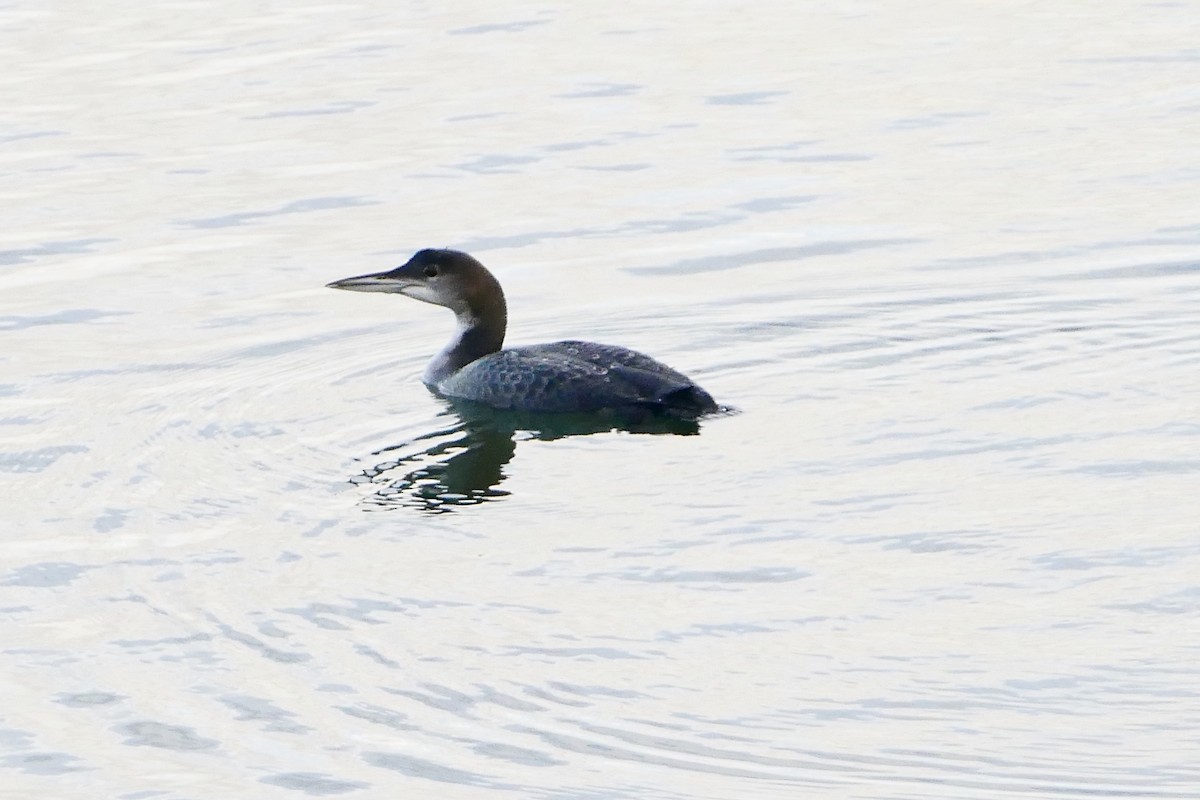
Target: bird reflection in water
x,y
463,465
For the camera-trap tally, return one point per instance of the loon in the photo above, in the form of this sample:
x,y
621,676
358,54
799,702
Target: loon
x,y
568,376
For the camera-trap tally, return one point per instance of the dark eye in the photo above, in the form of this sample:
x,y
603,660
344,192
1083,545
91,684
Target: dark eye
x,y
431,270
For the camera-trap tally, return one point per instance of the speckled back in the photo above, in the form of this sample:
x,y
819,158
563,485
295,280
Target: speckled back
x,y
575,376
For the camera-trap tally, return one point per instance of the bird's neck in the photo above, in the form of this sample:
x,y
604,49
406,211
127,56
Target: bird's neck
x,y
480,331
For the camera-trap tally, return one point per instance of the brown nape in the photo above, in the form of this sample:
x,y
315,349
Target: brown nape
x,y
485,299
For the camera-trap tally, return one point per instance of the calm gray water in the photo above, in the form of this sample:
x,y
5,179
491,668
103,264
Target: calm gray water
x,y
944,259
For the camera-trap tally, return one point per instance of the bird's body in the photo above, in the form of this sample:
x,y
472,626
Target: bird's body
x,y
568,376
573,376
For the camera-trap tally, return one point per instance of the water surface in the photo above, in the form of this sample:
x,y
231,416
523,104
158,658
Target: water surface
x,y
945,261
